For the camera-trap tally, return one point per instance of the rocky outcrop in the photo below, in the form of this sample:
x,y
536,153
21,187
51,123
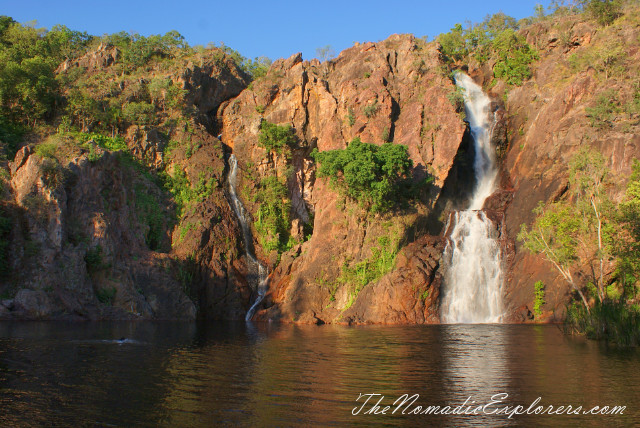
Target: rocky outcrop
x,y
548,123
79,246
393,90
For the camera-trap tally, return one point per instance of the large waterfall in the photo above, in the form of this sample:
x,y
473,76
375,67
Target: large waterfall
x,y
473,277
257,276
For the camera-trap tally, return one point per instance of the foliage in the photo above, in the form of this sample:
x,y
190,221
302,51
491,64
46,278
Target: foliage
x,y
140,113
585,228
456,98
379,263
607,58
137,50
28,59
626,246
604,11
538,297
93,259
114,144
274,138
350,117
257,67
46,150
325,53
106,295
151,215
603,113
370,110
514,55
375,176
453,44
184,194
555,234
494,37
614,322
273,216
10,135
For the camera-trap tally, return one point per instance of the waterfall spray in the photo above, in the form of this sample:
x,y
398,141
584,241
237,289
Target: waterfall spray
x,y
473,276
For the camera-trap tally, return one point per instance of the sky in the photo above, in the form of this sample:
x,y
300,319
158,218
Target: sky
x,y
276,28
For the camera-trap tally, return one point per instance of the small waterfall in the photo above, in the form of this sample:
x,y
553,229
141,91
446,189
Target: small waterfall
x,y
473,277
257,276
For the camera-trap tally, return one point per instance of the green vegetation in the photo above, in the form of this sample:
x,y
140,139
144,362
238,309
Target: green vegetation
x,y
106,295
604,11
93,259
46,150
603,113
370,110
456,98
496,38
350,117
184,194
275,138
150,214
514,55
588,231
538,301
378,177
614,322
380,262
325,53
273,217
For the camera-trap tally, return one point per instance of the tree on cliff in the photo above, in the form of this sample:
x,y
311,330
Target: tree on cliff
x,y
555,235
375,176
578,229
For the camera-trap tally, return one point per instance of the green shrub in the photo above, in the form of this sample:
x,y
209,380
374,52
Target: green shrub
x,y
379,263
106,295
456,98
604,11
453,45
375,176
610,321
150,214
602,114
538,297
46,150
93,259
274,138
114,144
273,221
514,57
350,117
184,194
139,113
370,110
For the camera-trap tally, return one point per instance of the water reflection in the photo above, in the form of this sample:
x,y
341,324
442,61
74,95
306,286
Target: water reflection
x,y
475,367
265,375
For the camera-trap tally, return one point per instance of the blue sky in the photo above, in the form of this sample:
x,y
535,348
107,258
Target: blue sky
x,y
265,28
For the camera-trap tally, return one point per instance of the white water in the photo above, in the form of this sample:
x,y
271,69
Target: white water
x,y
257,277
473,278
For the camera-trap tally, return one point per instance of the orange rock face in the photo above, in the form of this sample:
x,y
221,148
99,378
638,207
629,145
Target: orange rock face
x,y
394,91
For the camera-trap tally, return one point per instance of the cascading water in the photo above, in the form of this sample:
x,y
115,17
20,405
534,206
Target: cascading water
x,y
473,277
257,277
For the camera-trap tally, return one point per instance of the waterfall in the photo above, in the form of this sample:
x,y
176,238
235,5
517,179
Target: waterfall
x,y
257,276
473,275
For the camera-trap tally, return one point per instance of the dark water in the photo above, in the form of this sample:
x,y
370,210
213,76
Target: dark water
x,y
173,374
